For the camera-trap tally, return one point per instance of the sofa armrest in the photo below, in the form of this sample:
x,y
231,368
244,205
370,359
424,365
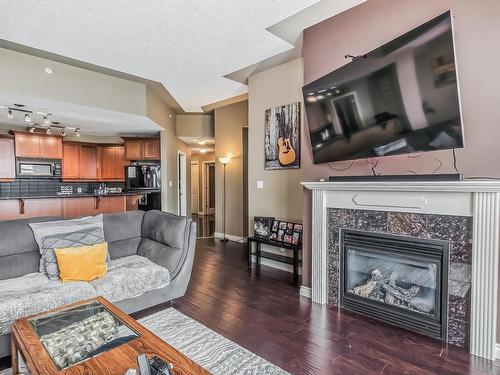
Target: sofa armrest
x,y
169,241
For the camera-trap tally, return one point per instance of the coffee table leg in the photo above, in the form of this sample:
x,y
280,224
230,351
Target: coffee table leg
x,y
14,358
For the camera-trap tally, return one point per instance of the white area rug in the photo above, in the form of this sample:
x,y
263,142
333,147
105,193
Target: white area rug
x,y
210,350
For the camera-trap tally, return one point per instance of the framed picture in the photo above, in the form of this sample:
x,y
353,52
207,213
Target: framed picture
x,y
289,228
273,236
295,238
262,226
274,228
297,228
282,225
281,232
287,239
282,137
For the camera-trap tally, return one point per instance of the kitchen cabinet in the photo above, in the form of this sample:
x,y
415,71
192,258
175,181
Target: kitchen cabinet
x,y
71,162
112,163
152,149
142,148
88,162
31,145
80,162
7,159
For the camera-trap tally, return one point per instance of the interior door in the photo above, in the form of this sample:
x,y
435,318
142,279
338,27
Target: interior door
x,y
210,188
195,188
181,169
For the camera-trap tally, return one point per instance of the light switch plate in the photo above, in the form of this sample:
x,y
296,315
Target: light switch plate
x,y
260,184
170,184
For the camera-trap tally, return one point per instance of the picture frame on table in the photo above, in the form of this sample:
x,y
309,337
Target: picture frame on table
x,y
289,228
275,226
281,233
287,239
262,226
295,238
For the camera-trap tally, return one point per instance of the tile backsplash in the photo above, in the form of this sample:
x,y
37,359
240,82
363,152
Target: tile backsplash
x,y
44,186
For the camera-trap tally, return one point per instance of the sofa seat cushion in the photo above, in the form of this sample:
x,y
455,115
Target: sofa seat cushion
x,y
35,293
130,277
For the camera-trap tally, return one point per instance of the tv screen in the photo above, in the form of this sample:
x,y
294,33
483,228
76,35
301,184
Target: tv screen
x,y
399,98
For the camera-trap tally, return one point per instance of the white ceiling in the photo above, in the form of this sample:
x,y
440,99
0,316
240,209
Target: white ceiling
x,y
187,45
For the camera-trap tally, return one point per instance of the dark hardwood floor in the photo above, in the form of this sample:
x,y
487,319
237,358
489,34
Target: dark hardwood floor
x,y
265,314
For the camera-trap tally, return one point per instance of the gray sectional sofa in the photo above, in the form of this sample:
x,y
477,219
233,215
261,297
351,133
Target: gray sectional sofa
x,y
151,254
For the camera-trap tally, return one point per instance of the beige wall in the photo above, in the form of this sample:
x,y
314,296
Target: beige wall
x,y
199,126
24,75
229,122
200,158
281,196
164,116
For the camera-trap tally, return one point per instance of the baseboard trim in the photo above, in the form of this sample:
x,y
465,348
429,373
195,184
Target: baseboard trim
x,y
497,350
305,291
230,237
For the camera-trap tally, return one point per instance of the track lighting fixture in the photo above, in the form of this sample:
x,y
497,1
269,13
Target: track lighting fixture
x,y
77,133
46,120
63,133
48,131
27,117
31,129
10,114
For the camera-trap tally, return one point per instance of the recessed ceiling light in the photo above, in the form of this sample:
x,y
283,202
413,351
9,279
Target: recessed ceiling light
x,y
48,70
201,142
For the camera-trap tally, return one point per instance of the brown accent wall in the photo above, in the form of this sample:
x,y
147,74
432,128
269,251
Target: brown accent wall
x,y
369,25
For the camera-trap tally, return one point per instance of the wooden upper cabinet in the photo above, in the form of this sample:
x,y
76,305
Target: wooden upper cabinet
x,y
71,161
27,145
152,149
51,147
120,163
88,162
7,159
42,146
134,149
142,149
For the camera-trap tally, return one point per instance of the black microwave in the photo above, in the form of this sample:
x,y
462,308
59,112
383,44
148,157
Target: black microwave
x,y
38,168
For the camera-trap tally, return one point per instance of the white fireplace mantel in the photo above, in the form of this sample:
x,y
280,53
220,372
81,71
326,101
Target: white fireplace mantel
x,y
479,199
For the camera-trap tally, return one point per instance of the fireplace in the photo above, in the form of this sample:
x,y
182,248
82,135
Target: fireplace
x,y
399,280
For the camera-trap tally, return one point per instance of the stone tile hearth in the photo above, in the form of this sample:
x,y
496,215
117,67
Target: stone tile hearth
x,y
455,229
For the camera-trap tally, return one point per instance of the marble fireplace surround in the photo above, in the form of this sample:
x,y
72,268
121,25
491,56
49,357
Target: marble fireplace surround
x,y
478,200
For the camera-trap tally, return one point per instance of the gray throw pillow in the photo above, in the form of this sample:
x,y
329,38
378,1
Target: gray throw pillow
x,y
65,233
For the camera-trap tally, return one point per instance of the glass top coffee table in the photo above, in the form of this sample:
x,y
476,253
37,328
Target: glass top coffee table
x,y
91,337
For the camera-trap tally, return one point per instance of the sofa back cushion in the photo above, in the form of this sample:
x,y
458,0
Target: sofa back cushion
x,y
165,238
122,232
19,253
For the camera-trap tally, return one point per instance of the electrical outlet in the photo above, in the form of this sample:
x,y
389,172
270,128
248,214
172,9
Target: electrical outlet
x,y
79,190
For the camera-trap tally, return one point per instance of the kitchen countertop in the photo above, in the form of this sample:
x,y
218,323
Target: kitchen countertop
x,y
76,195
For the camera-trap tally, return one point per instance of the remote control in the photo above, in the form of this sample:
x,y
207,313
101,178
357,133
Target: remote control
x,y
161,367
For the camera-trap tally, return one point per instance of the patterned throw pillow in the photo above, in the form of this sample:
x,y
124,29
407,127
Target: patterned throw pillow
x,y
65,233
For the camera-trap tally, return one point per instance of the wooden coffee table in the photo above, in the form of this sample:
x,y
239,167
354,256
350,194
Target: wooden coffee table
x,y
106,357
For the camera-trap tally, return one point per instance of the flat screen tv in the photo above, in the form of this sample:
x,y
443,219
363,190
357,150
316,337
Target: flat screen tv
x,y
399,98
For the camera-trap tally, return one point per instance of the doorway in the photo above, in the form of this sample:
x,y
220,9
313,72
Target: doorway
x,y
208,188
195,187
181,184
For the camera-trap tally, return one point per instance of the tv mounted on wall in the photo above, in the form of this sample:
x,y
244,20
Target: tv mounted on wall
x,y
399,98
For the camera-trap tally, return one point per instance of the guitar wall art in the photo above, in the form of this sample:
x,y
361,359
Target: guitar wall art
x,y
282,137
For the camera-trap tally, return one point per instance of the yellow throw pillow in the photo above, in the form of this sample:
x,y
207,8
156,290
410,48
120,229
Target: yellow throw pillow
x,y
82,263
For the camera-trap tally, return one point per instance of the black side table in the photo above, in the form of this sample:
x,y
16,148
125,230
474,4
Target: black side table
x,y
295,260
